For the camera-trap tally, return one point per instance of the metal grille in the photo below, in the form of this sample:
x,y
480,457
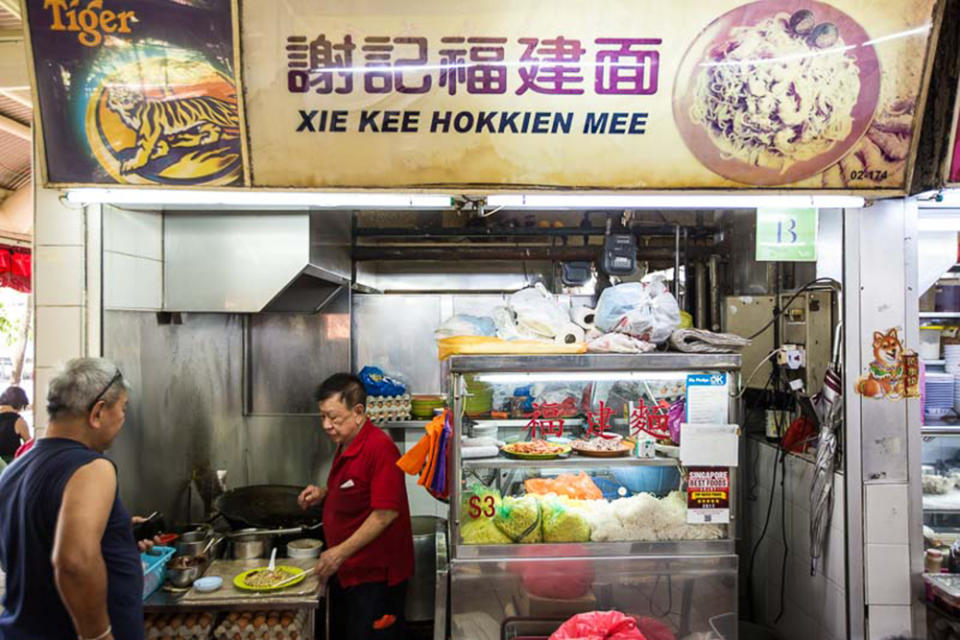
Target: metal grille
x,y
9,21
15,110
14,162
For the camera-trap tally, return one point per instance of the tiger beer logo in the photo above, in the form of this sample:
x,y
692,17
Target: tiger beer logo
x,y
90,22
166,119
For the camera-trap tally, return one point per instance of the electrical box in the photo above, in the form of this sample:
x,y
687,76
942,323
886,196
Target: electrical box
x,y
806,324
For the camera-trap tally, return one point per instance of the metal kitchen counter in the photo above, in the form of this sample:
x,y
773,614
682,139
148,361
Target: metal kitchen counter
x,y
306,595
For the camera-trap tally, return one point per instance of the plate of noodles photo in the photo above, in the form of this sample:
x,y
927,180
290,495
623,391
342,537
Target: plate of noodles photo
x,y
262,579
776,91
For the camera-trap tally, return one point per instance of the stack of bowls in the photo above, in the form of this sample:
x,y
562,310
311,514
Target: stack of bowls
x,y
422,406
951,356
479,400
938,394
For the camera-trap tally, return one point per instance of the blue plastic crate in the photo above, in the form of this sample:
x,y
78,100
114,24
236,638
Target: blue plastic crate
x,y
155,568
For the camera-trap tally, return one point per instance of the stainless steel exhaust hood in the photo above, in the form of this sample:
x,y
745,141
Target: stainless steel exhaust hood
x,y
252,262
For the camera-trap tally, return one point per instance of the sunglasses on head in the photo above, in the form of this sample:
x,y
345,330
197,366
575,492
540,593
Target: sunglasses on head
x,y
116,377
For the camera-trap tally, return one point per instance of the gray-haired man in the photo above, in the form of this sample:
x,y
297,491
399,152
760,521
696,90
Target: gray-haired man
x,y
66,541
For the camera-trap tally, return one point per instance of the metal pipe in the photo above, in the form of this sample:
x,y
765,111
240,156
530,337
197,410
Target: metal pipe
x,y
676,261
713,266
700,284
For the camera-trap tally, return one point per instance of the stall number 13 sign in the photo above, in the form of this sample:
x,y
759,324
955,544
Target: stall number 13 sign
x,y
787,235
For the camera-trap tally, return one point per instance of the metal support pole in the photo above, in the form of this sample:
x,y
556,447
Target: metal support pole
x,y
676,262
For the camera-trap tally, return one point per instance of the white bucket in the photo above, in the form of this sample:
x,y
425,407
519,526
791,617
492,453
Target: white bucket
x,y
930,343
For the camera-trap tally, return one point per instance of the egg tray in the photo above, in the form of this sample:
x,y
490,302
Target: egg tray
x,y
178,626
262,625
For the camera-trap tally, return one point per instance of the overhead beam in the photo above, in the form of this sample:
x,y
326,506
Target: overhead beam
x,y
12,7
15,128
16,97
13,65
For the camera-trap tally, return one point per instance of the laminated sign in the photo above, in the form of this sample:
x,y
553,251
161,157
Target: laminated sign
x,y
710,94
708,495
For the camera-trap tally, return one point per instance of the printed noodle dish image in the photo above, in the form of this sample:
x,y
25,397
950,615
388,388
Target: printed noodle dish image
x,y
776,97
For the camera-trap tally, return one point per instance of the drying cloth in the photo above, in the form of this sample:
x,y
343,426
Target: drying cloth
x,y
479,452
413,461
702,341
437,482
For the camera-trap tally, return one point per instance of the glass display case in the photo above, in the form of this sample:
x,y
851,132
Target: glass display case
x,y
569,494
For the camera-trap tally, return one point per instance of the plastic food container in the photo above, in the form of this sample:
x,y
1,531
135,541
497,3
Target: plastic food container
x,y
155,568
304,548
930,342
210,583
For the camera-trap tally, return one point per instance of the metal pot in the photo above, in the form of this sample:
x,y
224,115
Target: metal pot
x,y
421,591
249,544
182,578
192,543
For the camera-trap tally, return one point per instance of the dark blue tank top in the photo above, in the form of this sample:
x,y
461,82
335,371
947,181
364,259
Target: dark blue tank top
x,y
31,490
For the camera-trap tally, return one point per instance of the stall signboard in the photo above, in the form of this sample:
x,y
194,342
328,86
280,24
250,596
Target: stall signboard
x,y
137,92
786,235
705,94
708,495
952,167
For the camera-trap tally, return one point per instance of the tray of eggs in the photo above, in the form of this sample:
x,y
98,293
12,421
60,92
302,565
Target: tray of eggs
x,y
178,626
262,625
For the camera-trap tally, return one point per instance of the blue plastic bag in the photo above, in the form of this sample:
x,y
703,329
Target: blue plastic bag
x,y
377,383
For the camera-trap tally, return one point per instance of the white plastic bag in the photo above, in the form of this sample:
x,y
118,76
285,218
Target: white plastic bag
x,y
618,343
464,325
506,325
647,311
538,312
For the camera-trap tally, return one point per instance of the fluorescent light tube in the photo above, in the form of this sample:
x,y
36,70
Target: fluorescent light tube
x,y
591,376
254,198
679,201
943,222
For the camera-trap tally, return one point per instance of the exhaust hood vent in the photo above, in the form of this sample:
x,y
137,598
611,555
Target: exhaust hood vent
x,y
255,262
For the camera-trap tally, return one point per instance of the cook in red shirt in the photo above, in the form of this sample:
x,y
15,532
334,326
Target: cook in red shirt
x,y
366,518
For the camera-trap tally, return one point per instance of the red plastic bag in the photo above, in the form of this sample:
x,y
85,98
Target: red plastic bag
x,y
599,625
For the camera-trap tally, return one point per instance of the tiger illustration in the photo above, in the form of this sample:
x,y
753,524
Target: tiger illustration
x,y
178,122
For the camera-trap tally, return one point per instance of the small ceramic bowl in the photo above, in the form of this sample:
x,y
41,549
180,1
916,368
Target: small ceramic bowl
x,y
210,583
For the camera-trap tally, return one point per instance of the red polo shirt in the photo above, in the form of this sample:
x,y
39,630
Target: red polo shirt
x,y
364,477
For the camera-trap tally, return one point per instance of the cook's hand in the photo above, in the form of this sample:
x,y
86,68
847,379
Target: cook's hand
x,y
146,545
330,561
311,496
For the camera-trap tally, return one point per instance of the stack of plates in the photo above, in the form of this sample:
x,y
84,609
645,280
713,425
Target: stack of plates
x,y
479,400
422,406
938,394
951,356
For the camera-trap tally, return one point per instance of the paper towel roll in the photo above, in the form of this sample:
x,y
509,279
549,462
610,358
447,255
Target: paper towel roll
x,y
570,334
583,317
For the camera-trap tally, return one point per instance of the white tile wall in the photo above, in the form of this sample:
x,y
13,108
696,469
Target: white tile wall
x,y
135,233
59,275
884,621
59,335
888,574
41,381
887,513
56,224
815,606
131,282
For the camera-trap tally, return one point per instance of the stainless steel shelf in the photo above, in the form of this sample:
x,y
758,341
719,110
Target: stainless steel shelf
x,y
519,423
402,424
945,503
940,428
573,462
593,363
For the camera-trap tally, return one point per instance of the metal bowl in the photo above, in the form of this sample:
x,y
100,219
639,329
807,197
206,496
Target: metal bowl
x,y
182,578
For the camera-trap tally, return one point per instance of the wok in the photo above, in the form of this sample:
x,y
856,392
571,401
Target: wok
x,y
265,506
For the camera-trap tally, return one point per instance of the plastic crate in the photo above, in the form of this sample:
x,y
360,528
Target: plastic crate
x,y
155,568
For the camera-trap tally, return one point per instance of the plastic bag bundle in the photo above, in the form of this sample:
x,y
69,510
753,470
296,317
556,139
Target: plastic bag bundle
x,y
562,523
538,312
519,519
466,325
599,625
647,311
